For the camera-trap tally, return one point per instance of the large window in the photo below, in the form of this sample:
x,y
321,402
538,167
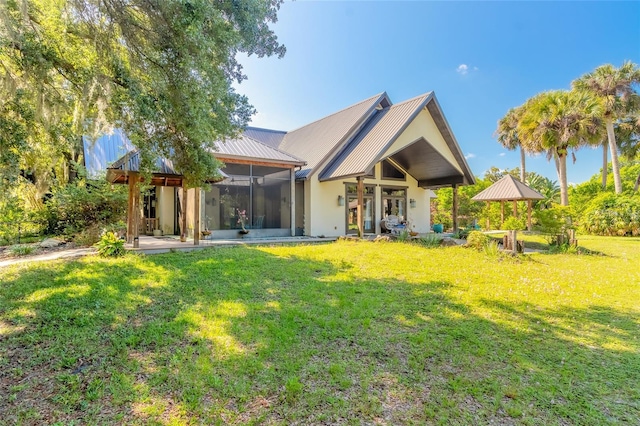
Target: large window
x,y
367,212
259,194
389,171
394,202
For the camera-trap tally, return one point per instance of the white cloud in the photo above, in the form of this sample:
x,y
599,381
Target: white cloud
x,y
462,69
470,155
502,154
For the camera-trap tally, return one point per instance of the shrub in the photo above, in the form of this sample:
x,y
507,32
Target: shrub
x,y
21,249
462,233
429,241
403,235
491,248
110,245
556,224
478,240
611,214
77,206
514,224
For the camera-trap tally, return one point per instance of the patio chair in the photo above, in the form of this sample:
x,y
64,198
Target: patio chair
x,y
391,224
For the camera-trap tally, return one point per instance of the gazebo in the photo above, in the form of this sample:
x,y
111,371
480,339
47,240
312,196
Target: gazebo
x,y
509,189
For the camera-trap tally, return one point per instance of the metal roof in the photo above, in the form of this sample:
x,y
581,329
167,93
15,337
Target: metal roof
x,y
273,138
100,153
317,141
246,147
420,159
508,189
131,163
375,137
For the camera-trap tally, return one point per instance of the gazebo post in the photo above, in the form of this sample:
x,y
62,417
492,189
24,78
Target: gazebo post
x,y
515,208
488,220
454,213
501,213
529,215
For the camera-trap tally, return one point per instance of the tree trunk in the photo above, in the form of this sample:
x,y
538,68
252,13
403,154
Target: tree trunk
x,y
522,166
605,164
562,177
614,156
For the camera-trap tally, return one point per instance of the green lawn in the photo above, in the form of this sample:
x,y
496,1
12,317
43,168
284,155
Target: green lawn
x,y
341,333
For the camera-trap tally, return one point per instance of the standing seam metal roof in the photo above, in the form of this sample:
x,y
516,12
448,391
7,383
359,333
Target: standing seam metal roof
x,y
316,141
273,138
507,189
371,142
244,146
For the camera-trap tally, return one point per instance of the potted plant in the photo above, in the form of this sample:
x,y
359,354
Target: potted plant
x,y
242,221
157,232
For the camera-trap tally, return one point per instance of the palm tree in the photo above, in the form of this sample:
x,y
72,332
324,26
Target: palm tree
x,y
556,122
507,134
547,188
614,87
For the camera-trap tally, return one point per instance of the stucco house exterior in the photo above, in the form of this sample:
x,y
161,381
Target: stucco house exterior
x,y
338,175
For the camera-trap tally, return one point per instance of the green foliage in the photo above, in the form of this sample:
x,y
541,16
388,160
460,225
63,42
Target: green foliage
x,y
491,249
21,249
402,235
478,240
80,205
429,241
110,245
164,71
462,233
610,214
514,224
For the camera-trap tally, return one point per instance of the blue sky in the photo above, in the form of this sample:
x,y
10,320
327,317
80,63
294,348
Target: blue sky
x,y
480,58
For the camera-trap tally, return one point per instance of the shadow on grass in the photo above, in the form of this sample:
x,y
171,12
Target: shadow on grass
x,y
240,335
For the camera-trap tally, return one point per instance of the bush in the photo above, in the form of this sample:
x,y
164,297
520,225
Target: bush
x,y
514,224
110,245
429,241
611,214
21,249
78,206
556,224
478,240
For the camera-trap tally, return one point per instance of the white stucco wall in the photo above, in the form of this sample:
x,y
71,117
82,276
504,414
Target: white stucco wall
x,y
323,216
329,219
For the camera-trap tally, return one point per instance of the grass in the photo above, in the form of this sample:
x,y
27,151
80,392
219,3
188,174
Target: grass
x,y
346,333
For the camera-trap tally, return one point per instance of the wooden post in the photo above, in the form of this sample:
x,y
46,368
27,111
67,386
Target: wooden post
x,y
360,216
196,217
529,215
454,212
488,211
183,232
515,209
292,203
136,213
130,201
501,213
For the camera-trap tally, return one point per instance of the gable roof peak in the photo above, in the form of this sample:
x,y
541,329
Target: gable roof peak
x,y
382,96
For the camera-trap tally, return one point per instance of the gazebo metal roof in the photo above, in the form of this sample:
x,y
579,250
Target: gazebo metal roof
x,y
508,189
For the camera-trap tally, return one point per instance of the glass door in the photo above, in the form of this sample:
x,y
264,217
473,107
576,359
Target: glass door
x,y
367,211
